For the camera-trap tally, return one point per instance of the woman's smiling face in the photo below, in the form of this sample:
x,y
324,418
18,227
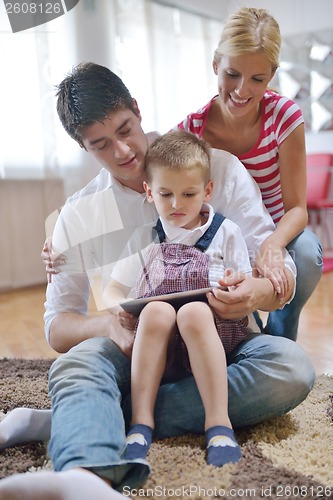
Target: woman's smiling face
x,y
242,82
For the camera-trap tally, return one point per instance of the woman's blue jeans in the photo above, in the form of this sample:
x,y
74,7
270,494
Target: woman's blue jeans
x,y
90,391
306,252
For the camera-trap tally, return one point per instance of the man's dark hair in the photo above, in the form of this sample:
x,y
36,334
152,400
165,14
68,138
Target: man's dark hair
x,y
88,95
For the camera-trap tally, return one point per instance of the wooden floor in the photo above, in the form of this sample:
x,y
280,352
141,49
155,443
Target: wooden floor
x,y
22,333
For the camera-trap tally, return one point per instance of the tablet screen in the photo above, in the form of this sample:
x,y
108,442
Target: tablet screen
x,y
178,299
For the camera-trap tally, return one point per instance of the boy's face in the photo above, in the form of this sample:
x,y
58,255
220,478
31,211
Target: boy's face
x,y
119,144
178,195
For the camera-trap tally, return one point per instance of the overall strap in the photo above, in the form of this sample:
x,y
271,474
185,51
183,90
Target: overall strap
x,y
159,232
206,239
203,243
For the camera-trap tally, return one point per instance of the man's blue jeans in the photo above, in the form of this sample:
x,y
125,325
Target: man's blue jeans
x,y
306,252
90,392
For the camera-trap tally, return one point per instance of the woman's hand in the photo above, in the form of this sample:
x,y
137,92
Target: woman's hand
x,y
51,261
270,264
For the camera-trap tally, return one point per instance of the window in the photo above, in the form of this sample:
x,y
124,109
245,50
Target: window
x,y
163,55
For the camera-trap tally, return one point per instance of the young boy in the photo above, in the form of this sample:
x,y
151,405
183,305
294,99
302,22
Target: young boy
x,y
194,250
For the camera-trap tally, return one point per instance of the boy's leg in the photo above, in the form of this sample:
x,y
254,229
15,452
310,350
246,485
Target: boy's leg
x,y
267,377
207,358
155,330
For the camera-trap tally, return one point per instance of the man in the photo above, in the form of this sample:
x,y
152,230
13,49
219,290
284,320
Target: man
x,y
89,385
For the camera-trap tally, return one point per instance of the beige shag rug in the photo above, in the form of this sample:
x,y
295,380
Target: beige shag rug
x,y
287,457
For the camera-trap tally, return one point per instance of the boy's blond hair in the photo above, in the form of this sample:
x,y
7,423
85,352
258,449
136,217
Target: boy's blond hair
x,y
176,151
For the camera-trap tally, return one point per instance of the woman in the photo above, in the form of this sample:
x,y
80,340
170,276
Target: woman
x,y
266,132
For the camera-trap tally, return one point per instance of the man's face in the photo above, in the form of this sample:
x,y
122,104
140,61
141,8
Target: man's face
x,y
119,144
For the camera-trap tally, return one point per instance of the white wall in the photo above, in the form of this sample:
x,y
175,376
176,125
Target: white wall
x,y
322,141
294,16
24,207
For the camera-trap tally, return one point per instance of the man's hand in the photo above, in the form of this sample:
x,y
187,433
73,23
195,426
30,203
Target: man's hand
x,y
121,333
69,329
246,294
127,320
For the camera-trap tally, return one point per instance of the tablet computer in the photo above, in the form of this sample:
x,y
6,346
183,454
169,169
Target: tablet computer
x,y
178,299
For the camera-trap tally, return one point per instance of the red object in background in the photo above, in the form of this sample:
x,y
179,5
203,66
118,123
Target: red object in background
x,y
319,179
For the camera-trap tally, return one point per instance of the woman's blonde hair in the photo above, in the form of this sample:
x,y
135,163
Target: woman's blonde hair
x,y
250,31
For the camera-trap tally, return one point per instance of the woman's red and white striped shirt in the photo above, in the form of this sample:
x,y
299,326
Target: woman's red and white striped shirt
x,y
280,116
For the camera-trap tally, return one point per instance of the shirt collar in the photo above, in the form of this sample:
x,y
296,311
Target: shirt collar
x,y
115,184
188,236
